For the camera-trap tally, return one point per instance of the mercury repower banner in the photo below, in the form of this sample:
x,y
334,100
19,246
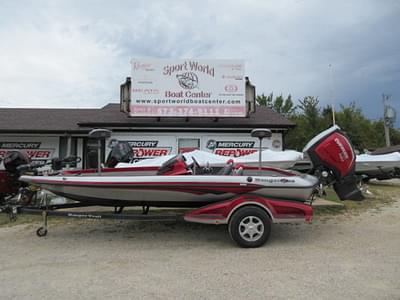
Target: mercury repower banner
x,y
187,88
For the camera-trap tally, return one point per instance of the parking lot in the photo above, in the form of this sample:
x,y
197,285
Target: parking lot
x,y
344,256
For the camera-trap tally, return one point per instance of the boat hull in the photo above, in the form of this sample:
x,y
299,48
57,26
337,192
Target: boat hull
x,y
173,191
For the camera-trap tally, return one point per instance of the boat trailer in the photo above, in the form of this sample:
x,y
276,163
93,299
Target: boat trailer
x,y
258,212
60,210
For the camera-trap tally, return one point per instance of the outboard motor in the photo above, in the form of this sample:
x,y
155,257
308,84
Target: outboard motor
x,y
14,159
9,184
333,157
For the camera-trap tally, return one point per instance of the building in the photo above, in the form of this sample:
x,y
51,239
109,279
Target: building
x,y
49,132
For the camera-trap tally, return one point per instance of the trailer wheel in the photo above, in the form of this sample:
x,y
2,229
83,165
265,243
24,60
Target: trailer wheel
x,y
250,227
41,232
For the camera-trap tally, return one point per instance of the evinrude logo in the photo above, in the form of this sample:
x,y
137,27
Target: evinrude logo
x,y
343,155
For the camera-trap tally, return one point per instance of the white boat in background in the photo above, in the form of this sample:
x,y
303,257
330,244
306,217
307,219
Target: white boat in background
x,y
278,159
383,166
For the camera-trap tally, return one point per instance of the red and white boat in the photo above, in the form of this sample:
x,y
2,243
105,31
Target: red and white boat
x,y
246,198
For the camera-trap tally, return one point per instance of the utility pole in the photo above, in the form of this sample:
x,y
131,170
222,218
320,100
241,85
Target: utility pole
x,y
386,120
331,94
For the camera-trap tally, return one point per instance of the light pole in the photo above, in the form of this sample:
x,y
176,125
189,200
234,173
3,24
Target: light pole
x,y
389,116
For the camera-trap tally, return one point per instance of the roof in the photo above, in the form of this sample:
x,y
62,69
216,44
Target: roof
x,y
81,120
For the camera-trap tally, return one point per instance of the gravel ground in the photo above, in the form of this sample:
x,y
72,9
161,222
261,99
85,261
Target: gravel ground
x,y
342,257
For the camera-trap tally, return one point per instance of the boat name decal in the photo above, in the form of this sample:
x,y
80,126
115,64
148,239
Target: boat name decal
x,y
274,180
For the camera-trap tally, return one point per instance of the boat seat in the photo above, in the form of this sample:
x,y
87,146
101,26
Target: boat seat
x,y
238,171
227,170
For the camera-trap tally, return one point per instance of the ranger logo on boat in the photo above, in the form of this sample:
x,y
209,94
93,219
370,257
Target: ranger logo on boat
x,y
274,180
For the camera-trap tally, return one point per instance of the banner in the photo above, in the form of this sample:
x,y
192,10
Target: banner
x,y
31,148
187,88
148,149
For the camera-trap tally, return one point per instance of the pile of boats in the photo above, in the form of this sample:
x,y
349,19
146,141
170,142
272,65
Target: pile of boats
x,y
246,197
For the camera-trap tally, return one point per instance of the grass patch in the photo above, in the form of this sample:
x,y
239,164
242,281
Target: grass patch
x,y
381,194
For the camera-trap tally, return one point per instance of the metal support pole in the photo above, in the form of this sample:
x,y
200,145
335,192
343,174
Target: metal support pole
x,y
99,156
69,148
260,156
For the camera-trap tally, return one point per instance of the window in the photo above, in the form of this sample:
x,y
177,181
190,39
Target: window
x,y
187,145
64,146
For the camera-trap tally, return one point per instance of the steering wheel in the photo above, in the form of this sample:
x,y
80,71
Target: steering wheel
x,y
196,166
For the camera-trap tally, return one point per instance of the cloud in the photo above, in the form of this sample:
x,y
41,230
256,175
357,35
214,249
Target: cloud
x,y
76,53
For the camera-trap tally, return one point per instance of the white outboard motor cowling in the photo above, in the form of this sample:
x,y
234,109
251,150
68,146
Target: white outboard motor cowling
x,y
332,151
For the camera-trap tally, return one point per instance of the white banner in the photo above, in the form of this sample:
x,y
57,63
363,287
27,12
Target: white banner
x,y
188,88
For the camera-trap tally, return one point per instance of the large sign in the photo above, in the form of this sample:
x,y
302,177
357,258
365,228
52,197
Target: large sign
x,y
188,88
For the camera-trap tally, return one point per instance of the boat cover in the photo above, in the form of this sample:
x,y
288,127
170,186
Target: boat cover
x,y
394,157
281,159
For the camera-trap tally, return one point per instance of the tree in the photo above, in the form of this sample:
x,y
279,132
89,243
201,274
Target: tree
x,y
280,105
310,120
264,100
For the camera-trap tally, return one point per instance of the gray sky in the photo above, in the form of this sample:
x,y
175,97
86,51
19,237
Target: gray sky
x,y
77,53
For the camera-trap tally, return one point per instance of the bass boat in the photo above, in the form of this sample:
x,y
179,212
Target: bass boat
x,y
247,198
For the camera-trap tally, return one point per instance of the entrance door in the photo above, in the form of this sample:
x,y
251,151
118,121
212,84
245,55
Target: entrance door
x,y
187,145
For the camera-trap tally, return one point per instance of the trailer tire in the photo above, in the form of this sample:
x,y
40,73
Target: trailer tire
x,y
41,232
250,227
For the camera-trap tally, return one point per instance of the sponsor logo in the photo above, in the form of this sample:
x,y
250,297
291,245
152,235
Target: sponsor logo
x,y
20,145
188,80
231,148
142,66
148,149
272,180
234,152
235,77
35,154
231,88
211,144
229,144
150,152
148,144
146,91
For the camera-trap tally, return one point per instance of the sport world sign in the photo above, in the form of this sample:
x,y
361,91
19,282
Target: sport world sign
x,y
187,88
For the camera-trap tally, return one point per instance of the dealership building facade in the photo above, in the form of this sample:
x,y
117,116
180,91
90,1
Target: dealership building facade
x,y
50,132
